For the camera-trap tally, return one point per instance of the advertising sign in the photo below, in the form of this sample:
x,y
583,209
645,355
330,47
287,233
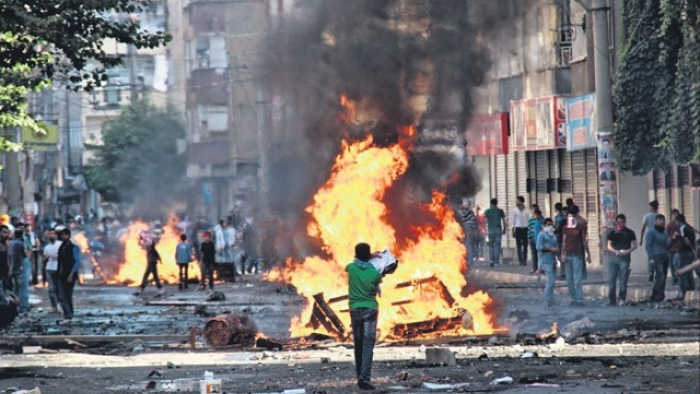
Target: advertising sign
x,y
538,124
487,135
580,122
40,141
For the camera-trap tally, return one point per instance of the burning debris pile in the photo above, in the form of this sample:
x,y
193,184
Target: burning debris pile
x,y
132,264
387,158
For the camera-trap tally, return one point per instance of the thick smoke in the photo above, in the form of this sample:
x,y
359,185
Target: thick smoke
x,y
404,63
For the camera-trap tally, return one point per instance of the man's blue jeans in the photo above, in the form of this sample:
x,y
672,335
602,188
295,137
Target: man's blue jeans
x,y
618,271
364,334
21,287
495,246
548,269
53,279
574,276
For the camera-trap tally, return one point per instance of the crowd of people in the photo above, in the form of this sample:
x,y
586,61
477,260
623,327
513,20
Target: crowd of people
x,y
48,257
562,242
19,268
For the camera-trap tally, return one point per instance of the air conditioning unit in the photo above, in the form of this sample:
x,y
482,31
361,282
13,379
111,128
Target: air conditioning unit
x,y
567,34
565,55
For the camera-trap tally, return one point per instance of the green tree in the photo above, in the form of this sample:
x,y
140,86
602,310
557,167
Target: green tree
x,y
656,96
43,41
138,158
686,104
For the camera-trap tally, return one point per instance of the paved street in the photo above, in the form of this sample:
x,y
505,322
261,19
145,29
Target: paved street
x,y
638,348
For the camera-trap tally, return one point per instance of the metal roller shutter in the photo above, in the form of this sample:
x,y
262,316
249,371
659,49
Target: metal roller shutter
x,y
686,193
521,173
660,189
542,166
675,192
532,177
555,177
578,173
509,202
502,185
592,204
566,175
493,178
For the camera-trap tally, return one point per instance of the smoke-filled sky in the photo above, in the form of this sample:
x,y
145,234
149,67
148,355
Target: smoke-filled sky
x,y
408,62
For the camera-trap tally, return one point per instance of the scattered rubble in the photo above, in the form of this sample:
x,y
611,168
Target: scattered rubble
x,y
230,330
216,296
440,356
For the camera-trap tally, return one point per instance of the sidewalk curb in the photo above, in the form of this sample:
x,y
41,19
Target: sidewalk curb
x,y
635,291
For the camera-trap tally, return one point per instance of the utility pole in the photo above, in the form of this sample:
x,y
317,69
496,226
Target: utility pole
x,y
603,77
13,183
133,88
599,10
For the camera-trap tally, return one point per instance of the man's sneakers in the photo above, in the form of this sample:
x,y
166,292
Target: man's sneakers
x,y
365,385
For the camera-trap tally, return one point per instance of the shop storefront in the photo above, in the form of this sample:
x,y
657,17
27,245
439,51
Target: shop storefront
x,y
537,163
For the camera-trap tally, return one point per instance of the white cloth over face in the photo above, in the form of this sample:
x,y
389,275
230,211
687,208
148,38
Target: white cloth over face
x,y
384,262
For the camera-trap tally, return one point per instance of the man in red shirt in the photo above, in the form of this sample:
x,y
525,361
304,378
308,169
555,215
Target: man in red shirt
x,y
574,250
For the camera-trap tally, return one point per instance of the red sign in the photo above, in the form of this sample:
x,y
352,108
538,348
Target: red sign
x,y
487,135
538,124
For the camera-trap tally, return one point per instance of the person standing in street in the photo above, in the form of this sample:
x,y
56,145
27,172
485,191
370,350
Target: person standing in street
x,y
18,270
480,232
676,242
656,245
5,277
621,243
152,260
31,242
51,264
648,222
183,258
547,248
363,284
520,219
468,220
686,237
68,267
208,250
575,253
559,224
496,224
534,225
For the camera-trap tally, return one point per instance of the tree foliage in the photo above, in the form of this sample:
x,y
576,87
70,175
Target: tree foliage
x,y
138,156
43,41
657,104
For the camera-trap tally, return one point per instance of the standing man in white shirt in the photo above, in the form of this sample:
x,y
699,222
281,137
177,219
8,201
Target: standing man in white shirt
x,y
520,218
51,264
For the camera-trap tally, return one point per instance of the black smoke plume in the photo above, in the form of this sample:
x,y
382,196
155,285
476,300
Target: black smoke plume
x,y
386,55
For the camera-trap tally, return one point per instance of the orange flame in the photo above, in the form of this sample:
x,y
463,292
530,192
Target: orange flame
x,y
348,209
132,269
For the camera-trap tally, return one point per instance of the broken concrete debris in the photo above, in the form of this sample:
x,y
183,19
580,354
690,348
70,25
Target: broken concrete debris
x,y
216,296
503,380
577,327
440,356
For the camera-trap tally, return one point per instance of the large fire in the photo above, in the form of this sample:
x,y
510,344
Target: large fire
x,y
132,269
349,209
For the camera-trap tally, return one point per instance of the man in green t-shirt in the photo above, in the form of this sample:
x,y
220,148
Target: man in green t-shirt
x,y
496,225
363,281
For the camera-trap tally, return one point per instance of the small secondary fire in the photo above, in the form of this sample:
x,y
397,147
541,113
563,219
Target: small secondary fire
x,y
349,208
131,270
